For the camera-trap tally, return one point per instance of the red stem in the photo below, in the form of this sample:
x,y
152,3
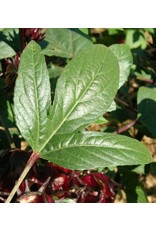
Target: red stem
x,y
126,127
33,158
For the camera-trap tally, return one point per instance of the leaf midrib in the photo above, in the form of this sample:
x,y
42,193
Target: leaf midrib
x,y
92,145
61,123
36,102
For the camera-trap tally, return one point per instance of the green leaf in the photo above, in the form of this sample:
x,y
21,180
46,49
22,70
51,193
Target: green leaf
x,y
133,188
84,30
115,31
65,42
67,200
101,121
141,196
112,107
32,95
55,71
85,90
125,60
135,38
146,101
11,37
92,150
5,50
139,169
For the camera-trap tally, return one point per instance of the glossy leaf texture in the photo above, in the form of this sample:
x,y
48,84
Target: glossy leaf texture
x,y
85,90
125,60
65,42
146,102
92,150
32,95
6,50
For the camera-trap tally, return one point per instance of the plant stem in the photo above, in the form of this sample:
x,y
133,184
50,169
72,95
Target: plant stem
x,y
118,100
150,81
33,158
126,127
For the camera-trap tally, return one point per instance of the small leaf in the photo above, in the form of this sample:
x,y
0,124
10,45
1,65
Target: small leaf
x,y
67,200
141,196
6,50
139,169
65,42
135,38
84,30
93,150
85,90
11,37
101,120
112,31
125,60
146,101
32,95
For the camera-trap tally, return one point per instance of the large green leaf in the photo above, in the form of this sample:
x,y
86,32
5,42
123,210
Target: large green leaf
x,y
5,50
91,150
32,95
125,60
65,42
146,101
85,89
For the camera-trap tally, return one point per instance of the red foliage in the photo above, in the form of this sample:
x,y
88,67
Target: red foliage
x,y
49,183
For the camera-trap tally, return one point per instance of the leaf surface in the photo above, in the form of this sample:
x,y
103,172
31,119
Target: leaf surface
x,y
85,90
32,95
125,60
146,101
65,42
6,50
83,93
92,150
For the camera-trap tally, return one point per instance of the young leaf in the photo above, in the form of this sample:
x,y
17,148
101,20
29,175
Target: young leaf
x,y
32,95
6,50
65,42
85,89
125,60
146,101
92,150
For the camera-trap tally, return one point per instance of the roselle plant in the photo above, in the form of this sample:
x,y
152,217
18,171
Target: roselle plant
x,y
55,129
